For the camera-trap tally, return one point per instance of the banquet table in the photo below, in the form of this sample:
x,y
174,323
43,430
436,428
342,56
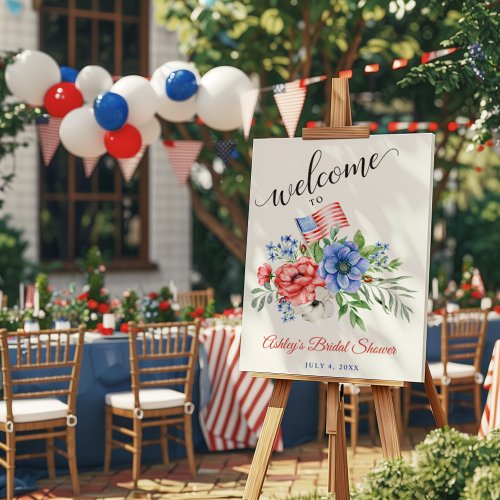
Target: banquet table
x,y
105,368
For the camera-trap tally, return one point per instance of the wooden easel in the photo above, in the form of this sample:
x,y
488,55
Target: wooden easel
x,y
338,480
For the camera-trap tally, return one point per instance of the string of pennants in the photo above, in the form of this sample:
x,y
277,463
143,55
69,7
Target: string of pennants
x,y
289,98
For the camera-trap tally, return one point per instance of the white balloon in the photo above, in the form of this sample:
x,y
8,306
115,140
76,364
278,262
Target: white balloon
x,y
30,76
140,96
92,81
81,135
173,111
150,131
218,103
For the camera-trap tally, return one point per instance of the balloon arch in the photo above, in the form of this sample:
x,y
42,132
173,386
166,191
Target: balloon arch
x,y
98,115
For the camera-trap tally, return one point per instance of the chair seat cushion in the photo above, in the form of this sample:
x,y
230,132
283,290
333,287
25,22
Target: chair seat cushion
x,y
149,399
34,410
454,370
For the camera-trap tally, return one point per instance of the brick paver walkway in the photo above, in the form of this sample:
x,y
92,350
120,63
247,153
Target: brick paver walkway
x,y
299,470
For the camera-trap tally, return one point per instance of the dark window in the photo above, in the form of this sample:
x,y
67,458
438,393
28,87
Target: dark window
x,y
77,212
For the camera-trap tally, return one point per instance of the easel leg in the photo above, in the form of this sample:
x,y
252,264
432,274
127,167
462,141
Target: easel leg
x,y
341,469
386,418
436,407
267,438
338,479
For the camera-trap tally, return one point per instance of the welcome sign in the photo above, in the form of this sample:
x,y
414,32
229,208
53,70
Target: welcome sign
x,y
337,259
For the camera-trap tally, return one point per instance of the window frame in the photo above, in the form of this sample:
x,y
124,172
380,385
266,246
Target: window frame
x,y
72,196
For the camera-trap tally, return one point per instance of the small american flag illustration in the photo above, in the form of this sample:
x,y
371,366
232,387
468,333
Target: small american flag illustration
x,y
317,226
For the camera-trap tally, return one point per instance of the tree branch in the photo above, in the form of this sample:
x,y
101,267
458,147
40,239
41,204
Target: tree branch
x,y
234,244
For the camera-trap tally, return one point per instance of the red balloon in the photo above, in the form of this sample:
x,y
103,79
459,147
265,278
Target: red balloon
x,y
62,98
123,143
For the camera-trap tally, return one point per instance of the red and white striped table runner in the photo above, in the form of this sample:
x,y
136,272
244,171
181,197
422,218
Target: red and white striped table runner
x,y
491,414
235,412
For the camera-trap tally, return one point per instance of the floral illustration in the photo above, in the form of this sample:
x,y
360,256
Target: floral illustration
x,y
334,274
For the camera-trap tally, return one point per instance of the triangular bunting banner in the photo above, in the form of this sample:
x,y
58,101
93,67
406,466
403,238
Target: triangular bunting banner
x,y
224,149
89,165
48,136
290,99
248,102
182,155
128,166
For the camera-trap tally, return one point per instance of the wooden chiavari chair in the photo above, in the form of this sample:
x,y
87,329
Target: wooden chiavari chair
x,y
162,355
195,298
32,411
463,334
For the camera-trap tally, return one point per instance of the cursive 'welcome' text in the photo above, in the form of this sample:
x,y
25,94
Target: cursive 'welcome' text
x,y
316,180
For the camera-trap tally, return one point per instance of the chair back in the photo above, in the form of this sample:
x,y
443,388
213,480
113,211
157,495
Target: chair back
x,y
163,355
195,298
54,355
463,335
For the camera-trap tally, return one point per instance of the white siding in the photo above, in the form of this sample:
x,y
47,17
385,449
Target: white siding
x,y
169,205
21,201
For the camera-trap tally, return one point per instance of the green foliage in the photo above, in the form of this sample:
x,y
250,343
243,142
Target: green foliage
x,y
445,460
13,264
485,483
129,310
390,479
14,117
448,465
95,273
477,24
473,229
42,285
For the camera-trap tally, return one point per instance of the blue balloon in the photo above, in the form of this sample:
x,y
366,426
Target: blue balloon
x,y
68,74
181,85
111,111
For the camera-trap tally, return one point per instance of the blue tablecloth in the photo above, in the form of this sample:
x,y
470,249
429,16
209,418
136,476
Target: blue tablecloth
x,y
105,368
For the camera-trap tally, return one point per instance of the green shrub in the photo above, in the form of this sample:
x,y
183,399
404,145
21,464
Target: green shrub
x,y
390,479
13,265
485,483
445,460
448,465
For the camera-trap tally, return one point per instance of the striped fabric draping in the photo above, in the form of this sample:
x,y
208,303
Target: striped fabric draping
x,y
491,414
234,414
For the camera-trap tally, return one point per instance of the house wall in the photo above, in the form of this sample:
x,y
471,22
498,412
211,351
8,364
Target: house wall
x,y
169,204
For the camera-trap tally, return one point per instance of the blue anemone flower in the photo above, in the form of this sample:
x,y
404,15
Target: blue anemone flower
x,y
342,267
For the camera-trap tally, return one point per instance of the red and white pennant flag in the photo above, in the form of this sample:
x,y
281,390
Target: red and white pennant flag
x,y
290,99
48,136
182,155
89,165
128,166
248,103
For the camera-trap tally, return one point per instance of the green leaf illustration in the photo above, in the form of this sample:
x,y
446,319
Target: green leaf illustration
x,y
359,239
353,318
261,304
334,231
257,290
317,252
360,323
342,310
339,299
368,250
